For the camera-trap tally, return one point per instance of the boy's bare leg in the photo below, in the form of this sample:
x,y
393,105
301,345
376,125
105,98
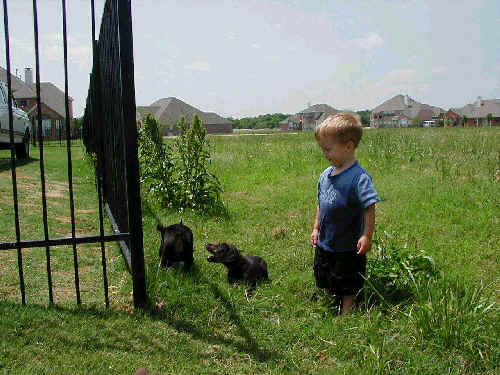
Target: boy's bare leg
x,y
348,304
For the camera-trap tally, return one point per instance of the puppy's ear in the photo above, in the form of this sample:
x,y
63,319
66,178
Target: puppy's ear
x,y
160,228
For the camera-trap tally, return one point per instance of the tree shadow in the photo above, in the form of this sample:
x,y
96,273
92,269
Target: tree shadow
x,y
116,340
6,165
249,345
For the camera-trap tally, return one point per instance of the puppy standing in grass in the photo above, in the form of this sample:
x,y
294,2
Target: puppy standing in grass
x,y
176,245
240,267
345,216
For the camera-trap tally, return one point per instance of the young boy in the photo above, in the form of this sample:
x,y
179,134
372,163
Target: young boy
x,y
345,217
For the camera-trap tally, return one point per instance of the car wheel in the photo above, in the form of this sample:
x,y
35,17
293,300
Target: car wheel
x,y
23,149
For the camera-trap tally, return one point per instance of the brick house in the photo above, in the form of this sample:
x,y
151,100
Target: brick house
x,y
400,111
479,112
452,118
169,110
308,118
52,104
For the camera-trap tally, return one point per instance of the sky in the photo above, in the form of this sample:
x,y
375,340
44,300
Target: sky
x,y
243,58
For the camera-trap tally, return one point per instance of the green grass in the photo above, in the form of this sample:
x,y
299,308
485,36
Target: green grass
x,y
440,191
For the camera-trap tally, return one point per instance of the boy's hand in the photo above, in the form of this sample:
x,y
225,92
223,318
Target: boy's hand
x,y
314,238
364,245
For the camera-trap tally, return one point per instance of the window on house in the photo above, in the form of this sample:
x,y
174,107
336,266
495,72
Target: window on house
x,y
47,127
59,128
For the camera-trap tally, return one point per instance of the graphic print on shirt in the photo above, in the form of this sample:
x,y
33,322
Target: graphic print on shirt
x,y
329,195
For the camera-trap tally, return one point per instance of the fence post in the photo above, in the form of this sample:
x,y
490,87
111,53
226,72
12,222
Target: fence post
x,y
131,150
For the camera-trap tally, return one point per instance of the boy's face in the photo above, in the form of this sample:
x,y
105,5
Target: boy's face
x,y
336,152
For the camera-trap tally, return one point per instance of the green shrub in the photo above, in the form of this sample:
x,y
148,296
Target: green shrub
x,y
394,274
156,165
177,177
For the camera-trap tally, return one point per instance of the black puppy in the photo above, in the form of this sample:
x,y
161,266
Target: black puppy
x,y
176,245
240,267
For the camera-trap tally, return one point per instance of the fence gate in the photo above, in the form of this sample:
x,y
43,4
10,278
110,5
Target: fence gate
x,y
110,133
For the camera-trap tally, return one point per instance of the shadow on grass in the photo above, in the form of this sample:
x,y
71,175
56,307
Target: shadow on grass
x,y
104,332
5,163
249,344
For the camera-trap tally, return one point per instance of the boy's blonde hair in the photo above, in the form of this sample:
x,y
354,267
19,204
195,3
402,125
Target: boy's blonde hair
x,y
344,127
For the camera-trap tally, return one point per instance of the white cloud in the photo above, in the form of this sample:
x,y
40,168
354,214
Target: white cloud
x,y
369,41
256,45
231,35
199,66
79,50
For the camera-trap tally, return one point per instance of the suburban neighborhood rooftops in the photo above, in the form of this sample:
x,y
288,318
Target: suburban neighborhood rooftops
x,y
479,109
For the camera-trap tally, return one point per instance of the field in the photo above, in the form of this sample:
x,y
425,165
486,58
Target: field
x,y
440,191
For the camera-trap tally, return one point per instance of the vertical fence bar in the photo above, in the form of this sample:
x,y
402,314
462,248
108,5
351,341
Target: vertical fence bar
x,y
131,149
40,144
12,154
97,118
68,151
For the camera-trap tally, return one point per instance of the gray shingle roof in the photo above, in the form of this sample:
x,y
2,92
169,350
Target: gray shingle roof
x,y
480,109
410,108
18,85
322,111
170,110
320,108
50,95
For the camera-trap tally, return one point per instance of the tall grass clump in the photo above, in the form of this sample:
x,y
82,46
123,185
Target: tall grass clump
x,y
394,273
456,315
176,176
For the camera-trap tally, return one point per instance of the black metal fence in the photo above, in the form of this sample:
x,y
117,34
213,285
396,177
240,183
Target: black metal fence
x,y
110,132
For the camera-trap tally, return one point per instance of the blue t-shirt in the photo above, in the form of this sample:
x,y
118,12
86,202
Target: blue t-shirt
x,y
342,201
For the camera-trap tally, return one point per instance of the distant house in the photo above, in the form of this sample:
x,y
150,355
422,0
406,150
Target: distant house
x,y
169,110
52,100
290,123
480,112
452,118
400,112
308,118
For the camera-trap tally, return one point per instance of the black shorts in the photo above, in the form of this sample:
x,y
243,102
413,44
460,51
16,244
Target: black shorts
x,y
341,273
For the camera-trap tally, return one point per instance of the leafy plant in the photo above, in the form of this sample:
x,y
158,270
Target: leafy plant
x,y
490,118
394,274
177,177
196,187
415,122
157,167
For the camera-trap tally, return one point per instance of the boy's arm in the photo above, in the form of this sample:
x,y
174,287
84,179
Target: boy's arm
x,y
314,234
365,241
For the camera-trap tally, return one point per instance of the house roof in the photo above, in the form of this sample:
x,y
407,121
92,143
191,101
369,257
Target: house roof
x,y
170,110
322,111
50,94
17,84
480,109
407,105
320,108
